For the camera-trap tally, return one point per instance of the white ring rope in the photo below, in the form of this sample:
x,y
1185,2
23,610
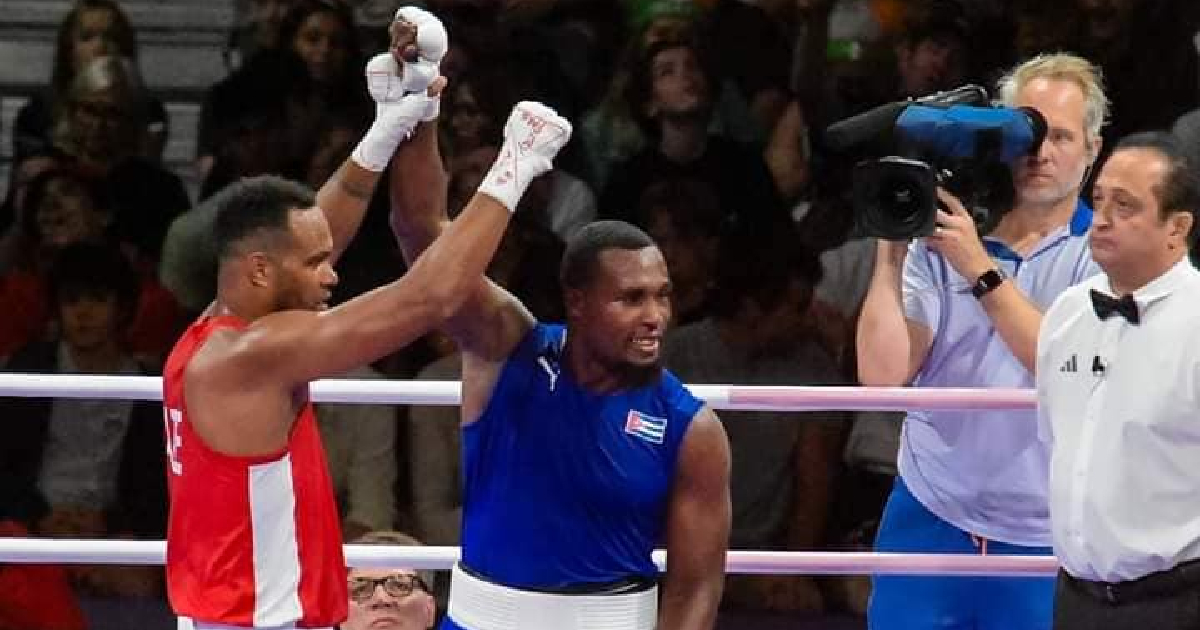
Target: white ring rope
x,y
739,397
766,398
153,552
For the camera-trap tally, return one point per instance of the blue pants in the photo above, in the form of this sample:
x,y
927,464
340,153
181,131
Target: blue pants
x,y
900,602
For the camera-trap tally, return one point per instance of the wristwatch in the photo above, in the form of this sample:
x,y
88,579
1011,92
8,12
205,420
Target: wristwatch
x,y
987,282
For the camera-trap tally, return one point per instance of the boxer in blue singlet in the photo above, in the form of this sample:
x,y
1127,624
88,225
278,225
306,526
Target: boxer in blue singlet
x,y
581,453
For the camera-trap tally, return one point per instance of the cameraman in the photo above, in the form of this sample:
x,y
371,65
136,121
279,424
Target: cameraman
x,y
955,310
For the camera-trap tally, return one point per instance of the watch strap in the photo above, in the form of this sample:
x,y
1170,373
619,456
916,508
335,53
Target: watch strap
x,y
987,282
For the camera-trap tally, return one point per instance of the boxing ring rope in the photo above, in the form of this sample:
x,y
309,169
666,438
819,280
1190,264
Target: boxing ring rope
x,y
733,397
62,551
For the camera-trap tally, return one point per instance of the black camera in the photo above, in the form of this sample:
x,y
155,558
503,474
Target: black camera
x,y
954,140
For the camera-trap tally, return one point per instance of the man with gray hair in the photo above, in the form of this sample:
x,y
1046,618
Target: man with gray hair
x,y
957,309
391,598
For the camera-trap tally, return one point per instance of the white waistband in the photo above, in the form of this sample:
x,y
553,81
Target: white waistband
x,y
187,623
476,604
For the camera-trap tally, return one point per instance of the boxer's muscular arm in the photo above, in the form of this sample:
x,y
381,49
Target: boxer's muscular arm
x,y
698,522
295,347
253,376
344,199
491,321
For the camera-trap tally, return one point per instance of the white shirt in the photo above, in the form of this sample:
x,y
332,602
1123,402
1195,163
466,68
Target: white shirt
x,y
1121,403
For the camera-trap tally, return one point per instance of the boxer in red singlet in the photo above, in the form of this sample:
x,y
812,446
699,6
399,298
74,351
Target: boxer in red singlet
x,y
253,536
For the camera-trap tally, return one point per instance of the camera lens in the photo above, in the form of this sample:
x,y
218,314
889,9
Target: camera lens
x,y
901,196
895,198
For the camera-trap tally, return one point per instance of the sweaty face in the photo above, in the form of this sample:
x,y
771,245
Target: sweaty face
x,y
1130,237
624,312
402,605
305,265
1056,172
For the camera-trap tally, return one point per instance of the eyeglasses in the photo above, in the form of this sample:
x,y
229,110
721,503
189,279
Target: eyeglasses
x,y
396,585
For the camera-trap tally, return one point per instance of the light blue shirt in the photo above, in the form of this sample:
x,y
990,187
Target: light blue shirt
x,y
985,472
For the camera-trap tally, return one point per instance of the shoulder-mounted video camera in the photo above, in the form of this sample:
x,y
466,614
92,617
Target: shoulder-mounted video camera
x,y
953,139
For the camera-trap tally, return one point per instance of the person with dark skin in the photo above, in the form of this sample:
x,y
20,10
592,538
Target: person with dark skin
x,y
581,453
253,536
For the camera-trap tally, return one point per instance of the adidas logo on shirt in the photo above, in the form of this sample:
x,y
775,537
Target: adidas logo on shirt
x,y
1071,365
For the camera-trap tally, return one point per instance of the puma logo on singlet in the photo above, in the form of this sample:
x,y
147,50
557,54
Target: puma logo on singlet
x,y
550,371
550,359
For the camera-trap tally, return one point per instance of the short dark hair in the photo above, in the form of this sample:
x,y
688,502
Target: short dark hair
x,y
39,188
759,266
583,250
640,90
94,270
256,205
939,21
1180,189
691,205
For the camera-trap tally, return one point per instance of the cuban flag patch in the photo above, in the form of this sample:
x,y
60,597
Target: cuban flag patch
x,y
647,427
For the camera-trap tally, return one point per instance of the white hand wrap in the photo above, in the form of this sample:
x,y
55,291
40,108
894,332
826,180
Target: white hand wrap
x,y
432,44
533,136
397,113
399,91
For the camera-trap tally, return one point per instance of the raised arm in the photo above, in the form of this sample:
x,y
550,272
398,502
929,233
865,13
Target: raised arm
x,y
299,346
416,34
418,181
698,522
344,199
417,189
1014,316
492,321
890,347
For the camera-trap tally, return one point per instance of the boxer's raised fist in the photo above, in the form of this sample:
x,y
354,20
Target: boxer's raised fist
x,y
533,136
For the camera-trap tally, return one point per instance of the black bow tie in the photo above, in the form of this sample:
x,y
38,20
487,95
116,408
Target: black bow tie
x,y
1106,305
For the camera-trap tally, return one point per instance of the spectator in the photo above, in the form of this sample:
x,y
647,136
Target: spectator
x,y
98,127
91,29
397,598
784,464
671,95
64,209
77,468
684,218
